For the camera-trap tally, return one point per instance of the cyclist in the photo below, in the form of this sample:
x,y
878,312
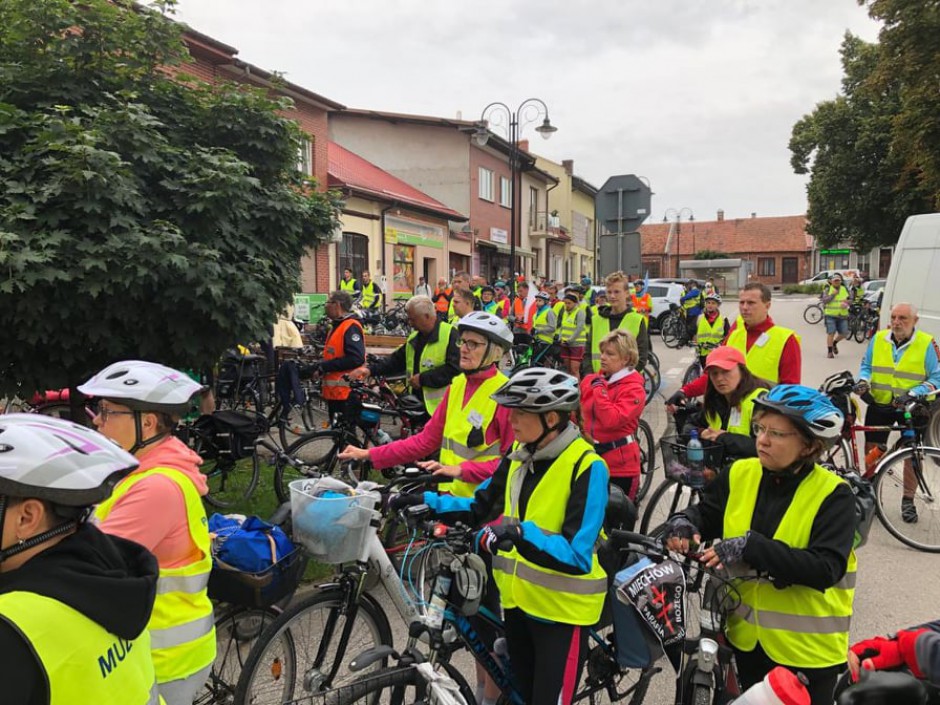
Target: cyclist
x,y
915,648
600,299
461,280
372,296
441,298
835,299
712,327
159,506
691,301
573,333
463,302
544,321
552,492
74,602
488,297
617,315
349,284
728,406
344,351
642,301
788,527
612,402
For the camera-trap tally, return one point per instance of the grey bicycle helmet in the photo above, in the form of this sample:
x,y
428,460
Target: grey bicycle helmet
x,y
539,390
713,297
491,327
144,386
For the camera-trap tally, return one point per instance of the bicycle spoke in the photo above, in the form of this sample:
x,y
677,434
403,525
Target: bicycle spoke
x,y
913,475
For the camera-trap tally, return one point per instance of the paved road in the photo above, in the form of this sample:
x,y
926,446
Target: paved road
x,y
895,584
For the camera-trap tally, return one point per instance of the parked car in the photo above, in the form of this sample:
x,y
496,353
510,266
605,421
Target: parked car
x,y
872,289
677,280
824,275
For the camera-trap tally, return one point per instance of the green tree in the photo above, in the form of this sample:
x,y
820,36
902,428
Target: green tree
x,y
710,254
858,190
142,213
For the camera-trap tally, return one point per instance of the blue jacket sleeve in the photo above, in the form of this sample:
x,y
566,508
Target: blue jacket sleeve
x,y
865,370
572,550
932,367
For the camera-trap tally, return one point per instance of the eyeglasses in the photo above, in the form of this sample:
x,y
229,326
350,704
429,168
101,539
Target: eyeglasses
x,y
104,413
471,345
772,433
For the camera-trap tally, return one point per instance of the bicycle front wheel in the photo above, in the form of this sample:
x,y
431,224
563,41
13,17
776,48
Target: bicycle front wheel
x,y
672,332
813,314
914,474
667,499
692,373
644,436
319,658
230,482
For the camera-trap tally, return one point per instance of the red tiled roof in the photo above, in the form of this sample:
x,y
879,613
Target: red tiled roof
x,y
349,170
734,236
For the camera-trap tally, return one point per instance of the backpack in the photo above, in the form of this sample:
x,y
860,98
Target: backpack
x,y
228,433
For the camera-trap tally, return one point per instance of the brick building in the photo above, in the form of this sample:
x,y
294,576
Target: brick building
x,y
778,249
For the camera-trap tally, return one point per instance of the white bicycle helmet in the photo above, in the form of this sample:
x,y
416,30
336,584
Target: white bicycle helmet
x,y
491,327
543,295
713,297
539,390
144,386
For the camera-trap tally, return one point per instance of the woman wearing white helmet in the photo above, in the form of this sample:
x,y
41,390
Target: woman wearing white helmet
x,y
552,494
159,506
74,602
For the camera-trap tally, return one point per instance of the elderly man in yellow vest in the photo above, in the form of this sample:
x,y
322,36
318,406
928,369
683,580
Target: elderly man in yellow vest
x,y
429,358
835,300
900,363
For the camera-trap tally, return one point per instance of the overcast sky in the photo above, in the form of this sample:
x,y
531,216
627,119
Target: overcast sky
x,y
698,96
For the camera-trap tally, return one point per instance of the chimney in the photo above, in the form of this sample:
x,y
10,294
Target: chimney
x,y
568,164
721,215
524,145
753,214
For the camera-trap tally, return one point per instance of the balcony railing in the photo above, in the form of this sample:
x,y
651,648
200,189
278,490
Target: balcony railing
x,y
544,224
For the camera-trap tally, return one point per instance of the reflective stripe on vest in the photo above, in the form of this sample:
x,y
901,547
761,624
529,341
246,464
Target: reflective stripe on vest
x,y
540,327
600,327
542,592
834,307
433,355
457,428
569,325
349,286
742,423
797,625
334,387
82,662
709,334
890,379
762,360
369,294
181,628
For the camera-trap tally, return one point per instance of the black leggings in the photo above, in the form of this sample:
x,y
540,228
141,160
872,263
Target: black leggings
x,y
754,665
546,657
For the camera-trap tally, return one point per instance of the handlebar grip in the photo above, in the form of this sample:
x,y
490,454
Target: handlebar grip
x,y
620,539
505,545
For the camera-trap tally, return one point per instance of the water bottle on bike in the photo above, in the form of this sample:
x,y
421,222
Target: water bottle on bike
x,y
695,458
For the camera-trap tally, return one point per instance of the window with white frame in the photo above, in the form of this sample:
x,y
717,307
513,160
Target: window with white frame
x,y
305,157
505,196
486,184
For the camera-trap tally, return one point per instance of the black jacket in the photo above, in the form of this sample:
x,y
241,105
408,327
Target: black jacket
x,y
736,445
821,565
354,349
436,378
108,579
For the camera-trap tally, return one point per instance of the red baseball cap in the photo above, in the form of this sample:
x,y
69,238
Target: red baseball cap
x,y
725,358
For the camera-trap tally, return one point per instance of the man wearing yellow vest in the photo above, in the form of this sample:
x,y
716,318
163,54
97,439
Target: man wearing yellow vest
x,y
350,285
552,494
461,280
372,296
712,327
617,314
573,333
74,602
429,358
159,506
787,529
900,363
835,300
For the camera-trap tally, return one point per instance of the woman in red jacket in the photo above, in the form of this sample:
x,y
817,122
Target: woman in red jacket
x,y
611,404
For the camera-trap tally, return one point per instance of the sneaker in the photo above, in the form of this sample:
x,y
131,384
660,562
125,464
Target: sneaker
x,y
908,511
835,348
830,355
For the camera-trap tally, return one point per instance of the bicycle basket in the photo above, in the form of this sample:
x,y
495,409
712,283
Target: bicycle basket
x,y
262,589
227,433
331,519
675,461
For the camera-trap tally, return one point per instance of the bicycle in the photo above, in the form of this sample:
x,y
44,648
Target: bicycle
x,y
644,437
446,627
339,618
813,313
526,351
674,329
696,370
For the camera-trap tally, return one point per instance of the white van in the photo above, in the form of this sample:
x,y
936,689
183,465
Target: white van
x,y
915,272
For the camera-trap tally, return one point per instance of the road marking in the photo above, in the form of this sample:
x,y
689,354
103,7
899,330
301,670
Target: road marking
x,y
687,360
674,372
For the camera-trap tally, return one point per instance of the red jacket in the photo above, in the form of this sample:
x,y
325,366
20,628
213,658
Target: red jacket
x,y
610,412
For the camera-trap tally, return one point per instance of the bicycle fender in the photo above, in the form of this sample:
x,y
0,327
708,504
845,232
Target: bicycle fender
x,y
371,656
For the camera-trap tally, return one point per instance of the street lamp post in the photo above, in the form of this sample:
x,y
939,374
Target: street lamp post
x,y
676,215
529,111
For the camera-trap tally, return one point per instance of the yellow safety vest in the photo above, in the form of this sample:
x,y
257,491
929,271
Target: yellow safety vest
x,y
568,326
797,625
709,333
558,307
889,379
369,294
834,307
739,421
600,327
432,356
689,304
762,360
540,322
460,421
182,631
82,661
349,286
542,592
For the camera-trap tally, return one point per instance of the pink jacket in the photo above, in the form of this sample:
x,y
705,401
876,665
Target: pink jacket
x,y
153,512
409,450
612,411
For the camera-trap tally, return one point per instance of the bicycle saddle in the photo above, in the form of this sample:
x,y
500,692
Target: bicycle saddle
x,y
411,404
878,687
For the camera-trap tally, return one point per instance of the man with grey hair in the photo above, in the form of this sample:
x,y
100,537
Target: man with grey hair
x,y
344,351
429,357
900,364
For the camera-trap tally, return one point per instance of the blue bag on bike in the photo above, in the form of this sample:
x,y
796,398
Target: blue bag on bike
x,y
249,545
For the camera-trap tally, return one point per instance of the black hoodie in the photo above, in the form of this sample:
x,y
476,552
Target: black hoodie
x,y
108,579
